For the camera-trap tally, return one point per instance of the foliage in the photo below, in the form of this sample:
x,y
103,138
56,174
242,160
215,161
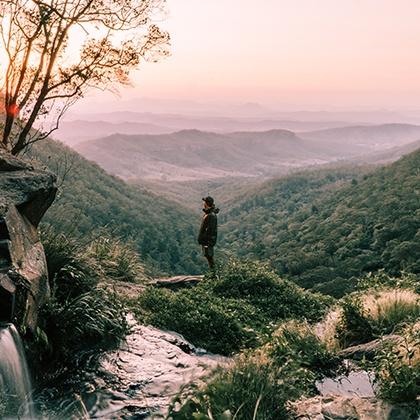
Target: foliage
x,y
372,313
253,388
397,369
91,203
258,285
354,326
235,309
207,322
117,260
317,228
79,314
296,340
93,319
70,271
261,383
381,280
41,81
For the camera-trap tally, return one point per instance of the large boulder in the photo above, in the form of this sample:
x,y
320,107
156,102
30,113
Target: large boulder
x,y
26,192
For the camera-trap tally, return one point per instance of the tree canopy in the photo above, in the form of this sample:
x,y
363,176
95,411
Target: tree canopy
x,y
44,74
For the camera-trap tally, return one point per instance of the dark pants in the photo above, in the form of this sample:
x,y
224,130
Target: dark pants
x,y
208,252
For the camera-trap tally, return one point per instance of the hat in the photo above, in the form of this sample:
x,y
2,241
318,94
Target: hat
x,y
209,200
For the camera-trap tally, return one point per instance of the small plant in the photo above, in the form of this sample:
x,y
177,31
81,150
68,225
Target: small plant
x,y
254,388
397,369
93,319
297,340
353,326
117,260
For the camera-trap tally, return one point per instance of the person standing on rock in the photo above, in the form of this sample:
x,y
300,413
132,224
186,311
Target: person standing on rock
x,y
207,236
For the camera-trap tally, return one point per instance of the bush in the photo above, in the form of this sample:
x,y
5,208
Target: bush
x,y
381,280
80,314
390,309
296,340
117,260
71,272
254,388
260,286
207,321
397,369
234,310
353,326
95,319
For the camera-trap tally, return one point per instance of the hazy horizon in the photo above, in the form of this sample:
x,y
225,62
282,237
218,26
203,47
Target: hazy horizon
x,y
285,54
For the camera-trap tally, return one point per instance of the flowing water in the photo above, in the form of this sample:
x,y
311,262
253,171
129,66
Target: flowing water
x,y
136,381
15,384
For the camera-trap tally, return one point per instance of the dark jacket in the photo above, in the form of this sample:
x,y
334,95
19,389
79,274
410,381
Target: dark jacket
x,y
208,230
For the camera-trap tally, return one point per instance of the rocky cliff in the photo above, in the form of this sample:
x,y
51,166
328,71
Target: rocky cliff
x,y
26,192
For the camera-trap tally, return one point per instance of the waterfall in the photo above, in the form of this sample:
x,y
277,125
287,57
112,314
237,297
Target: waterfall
x,y
15,384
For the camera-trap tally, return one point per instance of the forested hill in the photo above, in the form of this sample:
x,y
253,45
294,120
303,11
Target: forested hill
x,y
323,239
90,199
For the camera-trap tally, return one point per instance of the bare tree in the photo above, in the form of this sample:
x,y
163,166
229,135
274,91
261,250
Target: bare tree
x,y
41,80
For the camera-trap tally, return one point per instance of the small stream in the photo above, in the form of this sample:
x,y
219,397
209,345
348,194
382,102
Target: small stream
x,y
137,381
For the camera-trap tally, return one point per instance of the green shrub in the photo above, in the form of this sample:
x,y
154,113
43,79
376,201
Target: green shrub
x,y
96,319
397,369
117,260
236,309
261,287
207,321
381,280
353,327
79,314
296,340
253,388
375,312
70,271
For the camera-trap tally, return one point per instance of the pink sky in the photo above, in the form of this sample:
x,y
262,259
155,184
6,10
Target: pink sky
x,y
311,52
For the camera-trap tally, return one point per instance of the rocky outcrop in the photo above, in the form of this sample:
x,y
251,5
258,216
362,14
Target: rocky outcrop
x,y
25,194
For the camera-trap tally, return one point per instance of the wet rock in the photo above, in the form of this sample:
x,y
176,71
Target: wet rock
x,y
25,194
335,407
148,370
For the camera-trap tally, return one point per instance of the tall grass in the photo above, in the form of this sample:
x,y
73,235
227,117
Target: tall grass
x,y
369,314
260,383
80,314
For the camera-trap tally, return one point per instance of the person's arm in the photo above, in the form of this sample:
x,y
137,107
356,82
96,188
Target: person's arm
x,y
202,235
212,230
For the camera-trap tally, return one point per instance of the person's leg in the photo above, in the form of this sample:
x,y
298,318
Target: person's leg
x,y
208,252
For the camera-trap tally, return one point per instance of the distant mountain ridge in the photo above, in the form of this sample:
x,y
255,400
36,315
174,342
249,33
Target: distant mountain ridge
x,y
193,154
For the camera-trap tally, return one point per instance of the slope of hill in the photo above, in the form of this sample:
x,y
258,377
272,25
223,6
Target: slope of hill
x,y
90,199
72,132
322,237
193,155
359,139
